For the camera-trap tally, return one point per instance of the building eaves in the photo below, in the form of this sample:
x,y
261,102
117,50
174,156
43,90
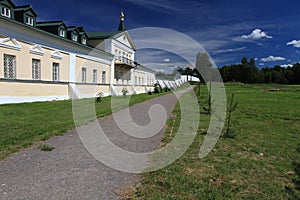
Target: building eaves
x,y
102,35
50,23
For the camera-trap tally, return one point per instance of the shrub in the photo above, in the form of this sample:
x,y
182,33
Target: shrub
x,y
99,97
166,89
124,92
229,133
156,88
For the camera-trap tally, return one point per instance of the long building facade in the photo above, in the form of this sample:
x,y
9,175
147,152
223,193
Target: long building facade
x,y
44,61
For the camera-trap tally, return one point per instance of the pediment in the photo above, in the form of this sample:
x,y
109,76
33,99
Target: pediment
x,y
56,54
10,43
125,39
37,49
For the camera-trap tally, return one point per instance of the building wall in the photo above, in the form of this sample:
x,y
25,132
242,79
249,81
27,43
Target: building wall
x,y
18,92
121,52
24,62
91,65
143,78
25,89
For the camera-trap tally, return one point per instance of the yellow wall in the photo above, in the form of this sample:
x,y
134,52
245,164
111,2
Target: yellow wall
x,y
24,63
93,90
15,89
90,66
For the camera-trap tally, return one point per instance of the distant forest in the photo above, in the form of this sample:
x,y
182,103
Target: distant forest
x,y
247,72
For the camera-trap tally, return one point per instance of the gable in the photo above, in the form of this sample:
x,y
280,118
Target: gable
x,y
7,3
56,54
37,49
10,43
63,26
29,12
125,39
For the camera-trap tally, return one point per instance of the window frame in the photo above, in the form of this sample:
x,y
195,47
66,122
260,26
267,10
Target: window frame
x,y
74,37
5,11
95,76
62,33
103,77
83,74
55,71
36,69
83,40
6,68
29,20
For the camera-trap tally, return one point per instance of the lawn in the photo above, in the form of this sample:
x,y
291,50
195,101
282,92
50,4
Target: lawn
x,y
22,125
261,162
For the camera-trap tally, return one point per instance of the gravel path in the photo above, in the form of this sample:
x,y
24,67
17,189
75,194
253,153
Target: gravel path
x,y
69,171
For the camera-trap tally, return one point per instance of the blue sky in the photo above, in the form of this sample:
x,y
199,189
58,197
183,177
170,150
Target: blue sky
x,y
268,31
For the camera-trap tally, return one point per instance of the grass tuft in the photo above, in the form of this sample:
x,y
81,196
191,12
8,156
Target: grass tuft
x,y
45,147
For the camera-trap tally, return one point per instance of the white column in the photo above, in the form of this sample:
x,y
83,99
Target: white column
x,y
72,73
112,77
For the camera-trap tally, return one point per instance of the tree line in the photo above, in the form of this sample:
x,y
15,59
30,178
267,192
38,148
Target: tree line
x,y
247,72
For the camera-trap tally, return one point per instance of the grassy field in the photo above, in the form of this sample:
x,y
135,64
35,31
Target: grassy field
x,y
261,162
24,124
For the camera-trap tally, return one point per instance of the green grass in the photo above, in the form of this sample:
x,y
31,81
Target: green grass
x,y
22,125
258,164
45,147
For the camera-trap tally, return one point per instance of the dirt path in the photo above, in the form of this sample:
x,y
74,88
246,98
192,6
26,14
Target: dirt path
x,y
69,171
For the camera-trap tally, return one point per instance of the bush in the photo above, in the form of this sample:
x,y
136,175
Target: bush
x,y
150,92
166,89
124,92
99,97
157,88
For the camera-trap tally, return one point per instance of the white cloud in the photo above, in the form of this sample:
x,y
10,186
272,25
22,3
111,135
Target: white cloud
x,y
256,34
261,64
167,60
272,58
295,43
286,65
167,5
229,50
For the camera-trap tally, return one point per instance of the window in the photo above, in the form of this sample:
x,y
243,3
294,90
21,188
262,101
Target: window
x,y
135,80
139,80
55,72
143,81
103,77
36,69
5,11
74,37
83,40
62,33
95,76
83,75
9,66
29,20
